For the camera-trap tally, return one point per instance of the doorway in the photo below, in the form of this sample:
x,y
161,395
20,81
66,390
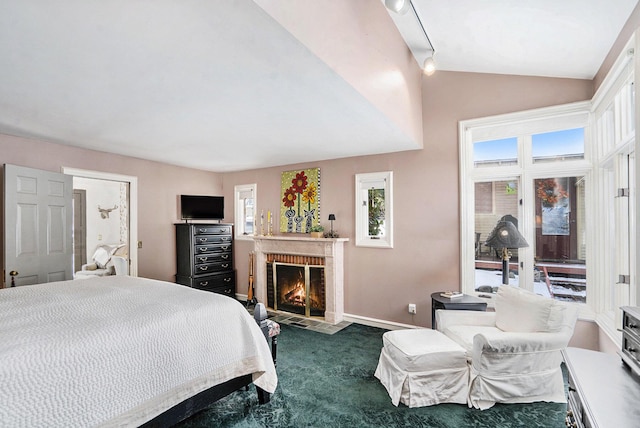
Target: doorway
x,y
129,184
79,228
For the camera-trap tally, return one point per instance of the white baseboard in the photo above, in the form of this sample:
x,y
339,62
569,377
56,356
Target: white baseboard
x,y
374,322
358,319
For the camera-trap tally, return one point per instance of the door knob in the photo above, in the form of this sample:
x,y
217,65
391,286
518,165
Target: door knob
x,y
13,274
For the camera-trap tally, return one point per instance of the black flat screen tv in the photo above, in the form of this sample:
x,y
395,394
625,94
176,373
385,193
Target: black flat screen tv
x,y
193,207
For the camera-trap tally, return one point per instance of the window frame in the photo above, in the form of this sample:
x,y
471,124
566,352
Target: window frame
x,y
363,183
521,125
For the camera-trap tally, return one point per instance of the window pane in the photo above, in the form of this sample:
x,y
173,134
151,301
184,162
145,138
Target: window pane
x,y
495,153
558,145
248,216
376,205
560,244
503,198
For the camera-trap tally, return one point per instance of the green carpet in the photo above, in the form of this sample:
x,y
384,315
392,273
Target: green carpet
x,y
327,381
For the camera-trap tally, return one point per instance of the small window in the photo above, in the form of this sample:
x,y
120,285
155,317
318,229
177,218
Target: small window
x,y
245,203
555,146
495,153
374,209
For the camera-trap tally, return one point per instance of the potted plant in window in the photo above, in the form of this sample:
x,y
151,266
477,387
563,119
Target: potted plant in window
x,y
316,231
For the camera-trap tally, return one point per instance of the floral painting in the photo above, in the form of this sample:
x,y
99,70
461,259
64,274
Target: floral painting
x,y
300,209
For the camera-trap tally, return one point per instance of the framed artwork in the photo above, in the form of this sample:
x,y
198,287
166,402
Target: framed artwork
x,y
300,208
556,206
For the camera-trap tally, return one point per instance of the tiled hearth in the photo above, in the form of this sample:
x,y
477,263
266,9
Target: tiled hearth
x,y
308,323
331,250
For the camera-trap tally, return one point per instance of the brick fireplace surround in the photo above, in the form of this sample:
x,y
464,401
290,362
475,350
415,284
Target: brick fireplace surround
x,y
332,249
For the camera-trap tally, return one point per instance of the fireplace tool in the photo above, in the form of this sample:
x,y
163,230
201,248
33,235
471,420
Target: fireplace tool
x,y
251,298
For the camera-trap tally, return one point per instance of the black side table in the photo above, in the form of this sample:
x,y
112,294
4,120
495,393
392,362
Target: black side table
x,y
465,303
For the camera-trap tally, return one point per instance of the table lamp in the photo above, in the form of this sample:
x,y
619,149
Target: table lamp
x,y
505,236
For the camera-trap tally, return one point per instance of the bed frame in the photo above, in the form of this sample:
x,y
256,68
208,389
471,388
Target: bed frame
x,y
204,399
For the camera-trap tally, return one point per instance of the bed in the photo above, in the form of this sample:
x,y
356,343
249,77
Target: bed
x,y
123,351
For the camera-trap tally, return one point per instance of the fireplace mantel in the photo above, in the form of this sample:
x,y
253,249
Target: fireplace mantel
x,y
332,249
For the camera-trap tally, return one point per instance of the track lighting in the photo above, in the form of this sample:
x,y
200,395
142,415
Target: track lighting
x,y
429,66
398,6
401,7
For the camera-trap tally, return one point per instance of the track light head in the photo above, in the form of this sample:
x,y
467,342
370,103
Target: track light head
x,y
398,6
429,66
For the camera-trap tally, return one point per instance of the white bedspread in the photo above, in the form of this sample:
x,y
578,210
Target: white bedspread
x,y
118,350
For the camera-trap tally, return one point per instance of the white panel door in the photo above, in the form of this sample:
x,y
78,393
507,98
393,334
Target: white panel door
x,y
37,225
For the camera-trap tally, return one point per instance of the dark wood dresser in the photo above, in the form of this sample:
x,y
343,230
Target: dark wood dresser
x,y
604,389
205,257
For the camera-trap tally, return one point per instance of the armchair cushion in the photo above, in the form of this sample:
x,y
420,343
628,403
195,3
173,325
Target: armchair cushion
x,y
464,334
101,257
519,310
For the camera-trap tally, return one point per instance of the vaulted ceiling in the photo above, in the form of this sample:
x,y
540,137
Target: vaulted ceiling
x,y
234,85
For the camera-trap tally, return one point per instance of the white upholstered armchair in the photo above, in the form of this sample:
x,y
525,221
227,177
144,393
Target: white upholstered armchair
x,y
110,259
514,352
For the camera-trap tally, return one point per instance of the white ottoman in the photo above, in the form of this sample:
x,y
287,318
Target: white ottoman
x,y
423,367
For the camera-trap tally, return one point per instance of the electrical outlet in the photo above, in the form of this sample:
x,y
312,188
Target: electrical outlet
x,y
412,308
139,244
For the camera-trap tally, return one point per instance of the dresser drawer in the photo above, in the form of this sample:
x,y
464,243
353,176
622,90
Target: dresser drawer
x,y
213,258
204,268
212,248
212,229
216,281
212,239
631,348
631,325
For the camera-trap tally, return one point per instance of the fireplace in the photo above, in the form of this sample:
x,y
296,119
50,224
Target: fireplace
x,y
299,250
296,287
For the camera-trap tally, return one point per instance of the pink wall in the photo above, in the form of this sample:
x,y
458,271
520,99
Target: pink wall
x,y
158,188
380,283
358,39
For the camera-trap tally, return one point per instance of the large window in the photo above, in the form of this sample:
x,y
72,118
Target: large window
x,y
565,176
530,169
614,143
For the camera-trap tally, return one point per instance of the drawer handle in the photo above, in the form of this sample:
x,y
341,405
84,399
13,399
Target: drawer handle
x,y
631,349
203,249
227,280
632,325
224,248
202,239
225,265
202,259
225,256
202,230
225,238
203,267
227,291
204,283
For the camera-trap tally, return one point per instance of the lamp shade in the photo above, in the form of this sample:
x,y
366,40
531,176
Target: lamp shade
x,y
332,216
505,235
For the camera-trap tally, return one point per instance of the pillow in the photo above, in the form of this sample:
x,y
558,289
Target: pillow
x,y
101,257
522,311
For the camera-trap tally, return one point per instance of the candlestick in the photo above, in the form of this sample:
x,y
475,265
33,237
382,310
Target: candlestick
x,y
262,222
